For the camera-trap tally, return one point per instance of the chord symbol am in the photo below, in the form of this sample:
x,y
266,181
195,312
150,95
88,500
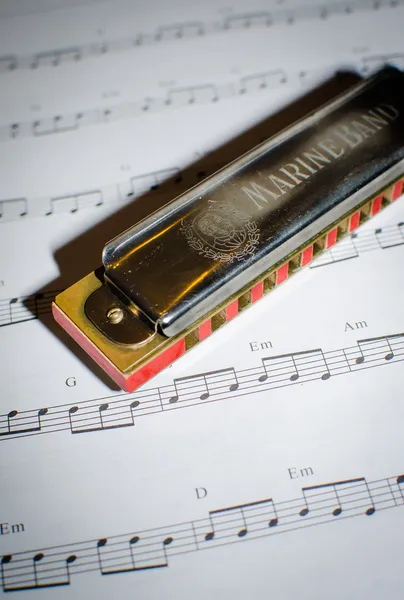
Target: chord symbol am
x,y
354,326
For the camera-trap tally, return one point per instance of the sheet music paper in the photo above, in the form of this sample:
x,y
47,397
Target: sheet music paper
x,y
276,444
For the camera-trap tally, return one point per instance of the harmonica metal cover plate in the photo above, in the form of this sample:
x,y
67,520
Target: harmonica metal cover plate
x,y
183,272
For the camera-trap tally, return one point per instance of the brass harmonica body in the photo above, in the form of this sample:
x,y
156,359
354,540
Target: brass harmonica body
x,y
171,280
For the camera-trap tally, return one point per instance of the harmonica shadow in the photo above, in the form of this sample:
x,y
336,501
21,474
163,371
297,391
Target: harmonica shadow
x,y
83,254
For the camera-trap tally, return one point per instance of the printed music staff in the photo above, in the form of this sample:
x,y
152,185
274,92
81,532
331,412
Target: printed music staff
x,y
154,548
191,29
25,308
188,95
356,244
120,410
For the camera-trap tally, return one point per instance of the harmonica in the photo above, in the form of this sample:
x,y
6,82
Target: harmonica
x,y
171,280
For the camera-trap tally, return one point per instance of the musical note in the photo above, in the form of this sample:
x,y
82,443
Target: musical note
x,y
390,237
55,57
25,308
335,496
373,62
205,94
101,417
180,31
11,304
23,424
246,21
204,385
75,202
241,519
14,130
8,63
300,366
13,208
38,573
259,81
373,348
400,484
147,182
56,124
133,556
190,95
11,415
37,558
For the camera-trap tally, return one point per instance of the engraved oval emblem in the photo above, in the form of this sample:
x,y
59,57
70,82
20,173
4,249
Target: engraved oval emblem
x,y
219,231
222,233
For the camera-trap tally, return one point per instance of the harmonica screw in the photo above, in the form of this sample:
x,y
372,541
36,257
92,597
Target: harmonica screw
x,y
115,315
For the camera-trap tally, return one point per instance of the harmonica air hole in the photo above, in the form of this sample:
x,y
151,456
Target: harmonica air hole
x,y
191,339
295,263
244,300
319,245
218,320
393,191
365,211
343,227
269,283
